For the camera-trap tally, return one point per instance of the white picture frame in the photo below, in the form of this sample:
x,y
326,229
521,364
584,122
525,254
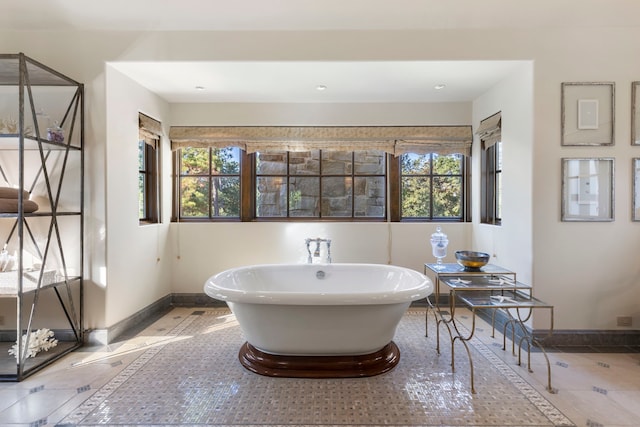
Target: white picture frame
x,y
635,113
635,196
588,115
587,189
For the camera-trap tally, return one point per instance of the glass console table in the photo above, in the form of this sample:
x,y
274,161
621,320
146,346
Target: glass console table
x,y
490,288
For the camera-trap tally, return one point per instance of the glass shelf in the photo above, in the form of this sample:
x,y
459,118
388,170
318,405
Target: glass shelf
x,y
11,291
456,269
38,74
11,141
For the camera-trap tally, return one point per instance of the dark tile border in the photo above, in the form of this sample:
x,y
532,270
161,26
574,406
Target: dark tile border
x,y
570,340
136,322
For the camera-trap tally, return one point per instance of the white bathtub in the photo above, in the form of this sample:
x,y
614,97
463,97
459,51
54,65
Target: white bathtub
x,y
319,310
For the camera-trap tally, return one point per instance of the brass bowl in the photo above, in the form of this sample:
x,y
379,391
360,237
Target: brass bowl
x,y
472,261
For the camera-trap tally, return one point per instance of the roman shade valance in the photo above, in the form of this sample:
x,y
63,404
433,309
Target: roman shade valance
x,y
490,130
149,129
391,139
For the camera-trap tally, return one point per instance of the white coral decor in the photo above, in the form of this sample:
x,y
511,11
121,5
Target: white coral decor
x,y
40,340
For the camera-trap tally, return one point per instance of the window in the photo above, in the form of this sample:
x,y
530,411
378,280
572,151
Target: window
x,y
432,186
316,184
490,133
209,183
492,185
363,173
320,184
148,170
147,183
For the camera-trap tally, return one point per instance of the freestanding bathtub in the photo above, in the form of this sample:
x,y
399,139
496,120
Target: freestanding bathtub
x,y
319,320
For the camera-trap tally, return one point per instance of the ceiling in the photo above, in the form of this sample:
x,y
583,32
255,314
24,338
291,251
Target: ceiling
x,y
347,81
298,82
309,15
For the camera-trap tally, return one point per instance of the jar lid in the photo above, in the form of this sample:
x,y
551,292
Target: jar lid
x,y
438,236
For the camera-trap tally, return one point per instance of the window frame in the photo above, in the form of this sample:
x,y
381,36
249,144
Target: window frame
x,y
392,193
177,189
491,165
150,172
463,175
320,176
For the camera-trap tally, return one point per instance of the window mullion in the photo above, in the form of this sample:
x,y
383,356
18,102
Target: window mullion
x,y
431,184
148,183
320,184
353,184
247,188
496,186
288,189
395,185
177,196
212,185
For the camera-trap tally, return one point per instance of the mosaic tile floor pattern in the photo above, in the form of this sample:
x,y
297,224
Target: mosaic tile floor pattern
x,y
193,377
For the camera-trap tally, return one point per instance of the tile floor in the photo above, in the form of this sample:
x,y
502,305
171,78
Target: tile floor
x,y
593,389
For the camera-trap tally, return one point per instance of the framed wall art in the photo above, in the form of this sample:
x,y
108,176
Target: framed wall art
x,y
588,113
635,205
635,113
587,189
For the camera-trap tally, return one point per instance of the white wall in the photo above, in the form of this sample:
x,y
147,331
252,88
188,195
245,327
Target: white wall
x,y
587,270
454,113
228,245
138,267
511,243
202,250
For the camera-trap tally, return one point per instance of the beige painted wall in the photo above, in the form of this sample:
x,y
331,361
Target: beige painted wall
x,y
588,270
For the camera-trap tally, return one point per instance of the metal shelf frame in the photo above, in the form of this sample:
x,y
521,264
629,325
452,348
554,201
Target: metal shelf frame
x,y
25,74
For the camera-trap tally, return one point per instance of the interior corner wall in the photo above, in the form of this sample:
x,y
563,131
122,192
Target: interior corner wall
x,y
138,260
509,244
204,249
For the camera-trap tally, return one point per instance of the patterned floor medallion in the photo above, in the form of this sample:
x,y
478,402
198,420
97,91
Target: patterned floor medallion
x,y
194,378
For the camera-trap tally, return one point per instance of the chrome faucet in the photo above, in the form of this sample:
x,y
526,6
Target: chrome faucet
x,y
316,252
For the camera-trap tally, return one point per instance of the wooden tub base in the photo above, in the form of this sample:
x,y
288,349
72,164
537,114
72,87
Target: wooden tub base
x,y
273,365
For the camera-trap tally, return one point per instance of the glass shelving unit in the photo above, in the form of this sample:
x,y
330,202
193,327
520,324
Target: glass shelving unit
x,y
41,215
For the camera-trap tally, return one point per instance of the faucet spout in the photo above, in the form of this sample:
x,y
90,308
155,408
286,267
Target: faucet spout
x,y
316,252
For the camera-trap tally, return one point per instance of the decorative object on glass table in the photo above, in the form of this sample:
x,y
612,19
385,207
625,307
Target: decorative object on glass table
x,y
501,281
459,281
439,242
500,299
472,261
